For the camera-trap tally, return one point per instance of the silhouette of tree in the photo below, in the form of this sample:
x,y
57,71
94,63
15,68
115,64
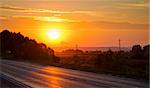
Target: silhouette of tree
x,y
146,51
137,52
109,54
22,48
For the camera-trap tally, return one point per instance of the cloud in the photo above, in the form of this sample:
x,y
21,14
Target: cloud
x,y
120,25
54,19
40,18
138,5
3,17
135,5
73,24
11,8
29,10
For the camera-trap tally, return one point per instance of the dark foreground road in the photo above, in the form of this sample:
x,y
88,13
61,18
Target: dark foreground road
x,y
36,76
7,82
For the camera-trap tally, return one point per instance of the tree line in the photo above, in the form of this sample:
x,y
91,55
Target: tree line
x,y
15,46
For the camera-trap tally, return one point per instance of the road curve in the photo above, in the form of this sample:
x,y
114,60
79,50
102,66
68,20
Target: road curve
x,y
38,76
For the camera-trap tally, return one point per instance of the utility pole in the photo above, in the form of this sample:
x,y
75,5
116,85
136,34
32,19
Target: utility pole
x,y
119,45
76,48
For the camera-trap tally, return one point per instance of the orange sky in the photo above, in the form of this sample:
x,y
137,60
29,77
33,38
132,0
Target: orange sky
x,y
82,22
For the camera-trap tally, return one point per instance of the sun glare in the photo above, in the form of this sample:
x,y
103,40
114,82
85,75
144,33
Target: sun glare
x,y
54,34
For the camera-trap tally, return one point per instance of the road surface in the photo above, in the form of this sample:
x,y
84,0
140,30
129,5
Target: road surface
x,y
7,82
37,76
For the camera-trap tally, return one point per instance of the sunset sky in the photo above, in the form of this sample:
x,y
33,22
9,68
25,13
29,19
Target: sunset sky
x,y
83,22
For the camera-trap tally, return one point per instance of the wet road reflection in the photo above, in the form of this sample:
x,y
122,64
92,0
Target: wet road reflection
x,y
38,76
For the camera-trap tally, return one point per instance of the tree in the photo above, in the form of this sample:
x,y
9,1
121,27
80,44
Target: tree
x,y
136,52
23,48
146,51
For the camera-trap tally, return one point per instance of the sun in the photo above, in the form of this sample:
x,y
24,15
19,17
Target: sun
x,y
53,34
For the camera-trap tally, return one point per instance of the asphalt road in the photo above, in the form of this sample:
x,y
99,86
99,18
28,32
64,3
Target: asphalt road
x,y
7,82
37,76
